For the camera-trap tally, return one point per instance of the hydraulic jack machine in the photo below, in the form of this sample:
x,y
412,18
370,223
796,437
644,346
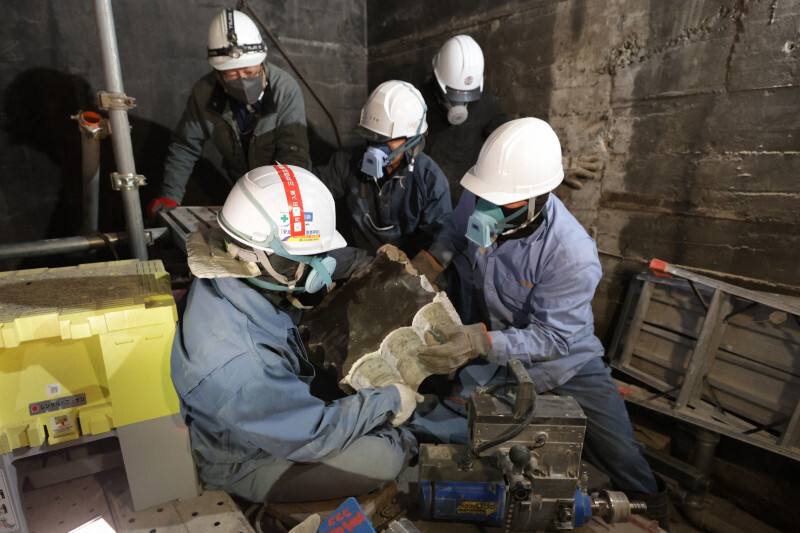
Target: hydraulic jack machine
x,y
521,468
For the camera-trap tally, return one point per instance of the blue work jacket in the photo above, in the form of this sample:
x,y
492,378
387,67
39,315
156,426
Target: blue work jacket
x,y
536,293
406,208
242,376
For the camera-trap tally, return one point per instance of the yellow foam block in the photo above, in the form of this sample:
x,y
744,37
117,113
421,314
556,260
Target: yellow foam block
x,y
27,433
96,420
85,345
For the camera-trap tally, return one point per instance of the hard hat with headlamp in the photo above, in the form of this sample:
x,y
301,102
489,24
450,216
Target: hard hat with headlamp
x,y
234,41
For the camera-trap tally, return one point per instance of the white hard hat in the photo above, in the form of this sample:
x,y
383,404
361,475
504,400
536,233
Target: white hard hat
x,y
520,159
458,67
394,109
234,41
282,209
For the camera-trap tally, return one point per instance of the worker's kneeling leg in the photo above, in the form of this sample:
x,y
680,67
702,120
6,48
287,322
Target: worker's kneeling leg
x,y
368,463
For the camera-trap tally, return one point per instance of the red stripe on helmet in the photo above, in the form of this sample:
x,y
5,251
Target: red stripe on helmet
x,y
297,221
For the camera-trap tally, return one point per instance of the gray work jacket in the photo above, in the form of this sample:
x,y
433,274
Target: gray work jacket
x,y
279,136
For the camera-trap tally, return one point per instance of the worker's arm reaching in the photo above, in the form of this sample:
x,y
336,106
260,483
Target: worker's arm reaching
x,y
557,314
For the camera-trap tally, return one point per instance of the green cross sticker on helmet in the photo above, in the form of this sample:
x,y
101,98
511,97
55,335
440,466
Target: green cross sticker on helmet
x,y
282,209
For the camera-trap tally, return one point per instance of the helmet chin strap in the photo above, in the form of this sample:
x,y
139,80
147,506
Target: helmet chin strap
x,y
532,215
263,260
260,256
277,248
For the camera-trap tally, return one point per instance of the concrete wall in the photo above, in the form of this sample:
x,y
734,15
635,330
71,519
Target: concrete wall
x,y
51,67
694,105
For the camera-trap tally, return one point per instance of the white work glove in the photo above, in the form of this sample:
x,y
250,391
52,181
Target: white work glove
x,y
408,402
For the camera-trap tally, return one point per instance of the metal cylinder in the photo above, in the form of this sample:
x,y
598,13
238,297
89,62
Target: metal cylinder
x,y
403,525
92,129
614,506
705,446
120,128
56,246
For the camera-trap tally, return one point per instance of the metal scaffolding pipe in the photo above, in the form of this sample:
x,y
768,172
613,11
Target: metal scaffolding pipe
x,y
92,128
120,128
71,244
57,246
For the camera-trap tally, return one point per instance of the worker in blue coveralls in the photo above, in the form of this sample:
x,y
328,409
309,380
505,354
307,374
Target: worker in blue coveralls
x,y
389,192
252,111
524,272
238,362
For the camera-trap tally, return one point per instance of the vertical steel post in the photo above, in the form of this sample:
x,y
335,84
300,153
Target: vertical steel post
x,y
120,128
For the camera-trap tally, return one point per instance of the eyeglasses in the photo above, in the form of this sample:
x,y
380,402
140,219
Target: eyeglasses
x,y
236,73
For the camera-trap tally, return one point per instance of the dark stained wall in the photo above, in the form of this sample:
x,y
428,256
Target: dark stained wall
x,y
694,105
51,67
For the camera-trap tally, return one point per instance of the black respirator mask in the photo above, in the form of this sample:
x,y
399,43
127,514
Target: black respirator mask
x,y
246,90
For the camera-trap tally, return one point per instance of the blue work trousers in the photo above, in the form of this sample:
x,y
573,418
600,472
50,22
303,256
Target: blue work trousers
x,y
367,464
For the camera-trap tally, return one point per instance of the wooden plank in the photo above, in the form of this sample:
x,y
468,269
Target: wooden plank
x,y
757,367
791,437
770,344
750,363
683,322
635,327
645,378
700,416
673,337
755,395
633,290
790,304
664,354
757,409
705,350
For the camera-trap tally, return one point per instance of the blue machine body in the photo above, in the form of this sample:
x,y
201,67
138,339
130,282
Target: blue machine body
x,y
473,501
583,508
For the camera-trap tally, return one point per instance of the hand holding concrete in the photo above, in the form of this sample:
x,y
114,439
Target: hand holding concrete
x,y
452,346
426,265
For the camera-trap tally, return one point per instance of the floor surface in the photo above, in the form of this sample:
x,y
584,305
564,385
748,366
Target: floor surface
x,y
62,507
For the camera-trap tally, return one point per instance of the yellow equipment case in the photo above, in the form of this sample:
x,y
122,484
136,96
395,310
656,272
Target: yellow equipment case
x,y
83,349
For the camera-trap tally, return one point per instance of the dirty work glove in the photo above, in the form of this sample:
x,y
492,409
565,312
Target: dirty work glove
x,y
451,346
309,525
394,253
585,166
408,402
427,266
157,204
